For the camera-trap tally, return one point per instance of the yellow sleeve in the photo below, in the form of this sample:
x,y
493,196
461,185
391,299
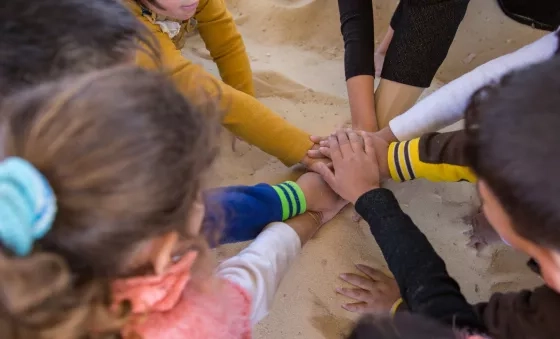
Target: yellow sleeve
x,y
218,30
244,116
405,164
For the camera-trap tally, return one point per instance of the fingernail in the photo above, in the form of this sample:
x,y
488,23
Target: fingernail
x,y
342,276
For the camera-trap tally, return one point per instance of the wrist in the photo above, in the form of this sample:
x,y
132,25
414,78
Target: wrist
x,y
387,135
360,192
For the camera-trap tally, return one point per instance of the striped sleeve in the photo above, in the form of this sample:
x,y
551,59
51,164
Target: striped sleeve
x,y
409,160
292,199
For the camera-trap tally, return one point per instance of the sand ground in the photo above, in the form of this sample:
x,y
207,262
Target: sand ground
x,y
296,51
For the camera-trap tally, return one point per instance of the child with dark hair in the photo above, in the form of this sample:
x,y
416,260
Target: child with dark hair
x,y
509,129
101,209
42,40
170,21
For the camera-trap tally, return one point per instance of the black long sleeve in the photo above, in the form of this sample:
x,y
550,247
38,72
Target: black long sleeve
x,y
356,25
425,285
424,31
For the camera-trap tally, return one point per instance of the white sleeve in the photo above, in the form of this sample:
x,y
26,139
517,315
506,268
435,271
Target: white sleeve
x,y
447,105
260,267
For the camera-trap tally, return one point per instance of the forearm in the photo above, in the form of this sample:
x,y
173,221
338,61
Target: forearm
x,y
362,103
221,37
434,156
260,267
305,225
425,285
246,210
447,105
245,116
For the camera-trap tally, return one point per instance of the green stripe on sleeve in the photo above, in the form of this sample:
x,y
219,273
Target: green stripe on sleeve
x,y
300,197
284,202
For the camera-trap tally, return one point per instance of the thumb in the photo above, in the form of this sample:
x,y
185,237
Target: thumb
x,y
324,171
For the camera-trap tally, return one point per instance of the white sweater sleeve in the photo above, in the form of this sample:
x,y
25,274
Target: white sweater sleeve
x,y
446,105
260,267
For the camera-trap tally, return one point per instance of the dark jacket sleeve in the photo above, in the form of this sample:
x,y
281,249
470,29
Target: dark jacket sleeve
x,y
425,285
424,31
521,315
356,25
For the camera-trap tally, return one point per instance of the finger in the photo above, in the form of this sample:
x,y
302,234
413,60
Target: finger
x,y
355,141
324,171
356,307
358,281
325,151
368,144
345,147
325,142
354,293
315,154
336,154
371,272
317,139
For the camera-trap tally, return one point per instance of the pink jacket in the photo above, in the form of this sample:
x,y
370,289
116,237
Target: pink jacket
x,y
168,307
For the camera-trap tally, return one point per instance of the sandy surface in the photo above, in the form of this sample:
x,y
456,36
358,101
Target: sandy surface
x,y
296,51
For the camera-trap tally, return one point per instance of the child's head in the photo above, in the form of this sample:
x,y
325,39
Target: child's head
x,y
513,133
42,40
176,9
125,155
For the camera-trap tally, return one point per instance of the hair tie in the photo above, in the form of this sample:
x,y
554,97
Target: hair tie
x,y
27,205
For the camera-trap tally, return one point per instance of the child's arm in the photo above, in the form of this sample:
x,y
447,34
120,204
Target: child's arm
x,y
446,105
425,285
434,156
244,115
218,30
356,25
260,267
246,210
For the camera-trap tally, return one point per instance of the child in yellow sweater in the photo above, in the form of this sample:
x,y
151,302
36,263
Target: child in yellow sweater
x,y
246,117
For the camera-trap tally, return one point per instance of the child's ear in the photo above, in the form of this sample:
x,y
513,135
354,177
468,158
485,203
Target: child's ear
x,y
162,251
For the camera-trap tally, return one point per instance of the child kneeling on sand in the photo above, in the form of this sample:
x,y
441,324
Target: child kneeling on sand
x,y
246,117
510,127
103,174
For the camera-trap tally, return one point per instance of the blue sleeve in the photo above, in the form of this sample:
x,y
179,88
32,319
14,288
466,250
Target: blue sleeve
x,y
242,210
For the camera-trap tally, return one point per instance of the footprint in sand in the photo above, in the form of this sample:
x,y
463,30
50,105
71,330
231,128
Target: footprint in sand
x,y
273,84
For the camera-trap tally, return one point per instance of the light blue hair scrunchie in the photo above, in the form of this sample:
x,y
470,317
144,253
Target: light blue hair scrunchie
x,y
27,205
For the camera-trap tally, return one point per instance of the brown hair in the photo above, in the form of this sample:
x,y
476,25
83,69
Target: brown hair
x,y
43,40
125,154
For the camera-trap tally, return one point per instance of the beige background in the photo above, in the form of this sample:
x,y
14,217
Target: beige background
x,y
296,51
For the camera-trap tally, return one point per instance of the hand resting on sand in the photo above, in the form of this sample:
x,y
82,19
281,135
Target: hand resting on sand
x,y
373,293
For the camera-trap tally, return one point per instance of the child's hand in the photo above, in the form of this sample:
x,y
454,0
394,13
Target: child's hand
x,y
375,293
319,196
380,145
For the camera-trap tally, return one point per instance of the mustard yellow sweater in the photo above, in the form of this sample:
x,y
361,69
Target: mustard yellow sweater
x,y
244,115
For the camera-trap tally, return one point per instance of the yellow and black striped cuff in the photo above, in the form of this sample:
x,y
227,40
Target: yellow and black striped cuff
x,y
399,158
405,164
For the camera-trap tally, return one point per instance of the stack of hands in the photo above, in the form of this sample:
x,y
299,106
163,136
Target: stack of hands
x,y
353,163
